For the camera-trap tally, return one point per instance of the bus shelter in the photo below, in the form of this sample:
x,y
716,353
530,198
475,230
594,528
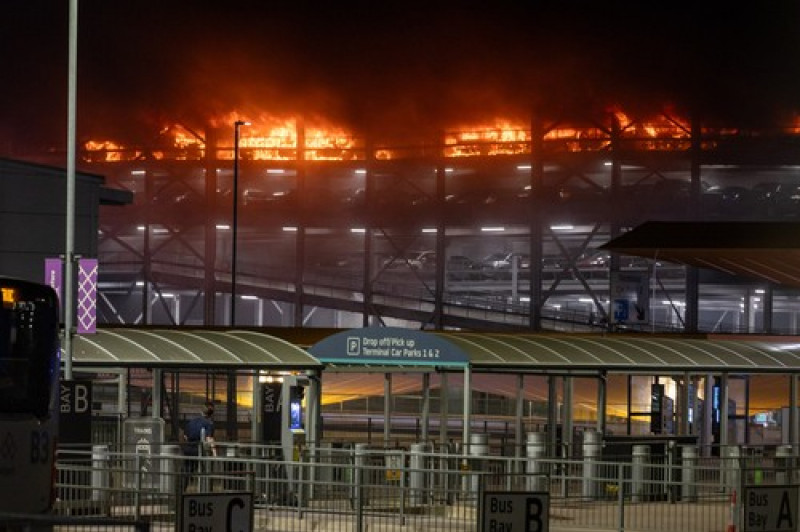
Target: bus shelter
x,y
234,354
699,367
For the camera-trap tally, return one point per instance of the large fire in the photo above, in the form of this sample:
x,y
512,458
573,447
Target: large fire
x,y
270,138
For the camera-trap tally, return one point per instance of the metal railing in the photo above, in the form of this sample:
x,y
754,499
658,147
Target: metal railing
x,y
425,488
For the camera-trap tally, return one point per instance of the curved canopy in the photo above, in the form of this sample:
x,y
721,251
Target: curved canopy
x,y
188,348
653,354
484,352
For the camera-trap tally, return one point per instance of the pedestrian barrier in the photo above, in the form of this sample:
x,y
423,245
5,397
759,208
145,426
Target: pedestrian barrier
x,y
361,488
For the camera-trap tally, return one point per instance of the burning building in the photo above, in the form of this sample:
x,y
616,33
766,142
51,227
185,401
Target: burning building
x,y
334,227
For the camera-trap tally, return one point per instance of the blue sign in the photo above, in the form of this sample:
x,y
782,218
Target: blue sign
x,y
389,346
621,310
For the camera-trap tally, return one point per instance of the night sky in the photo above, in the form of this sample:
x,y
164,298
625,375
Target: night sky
x,y
390,66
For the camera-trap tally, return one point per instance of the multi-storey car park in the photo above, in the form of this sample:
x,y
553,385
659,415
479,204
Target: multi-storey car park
x,y
338,228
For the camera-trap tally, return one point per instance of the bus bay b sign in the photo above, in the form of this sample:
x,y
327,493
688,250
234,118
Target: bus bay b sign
x,y
509,511
75,412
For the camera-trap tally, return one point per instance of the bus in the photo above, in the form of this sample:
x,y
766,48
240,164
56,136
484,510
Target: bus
x,y
30,364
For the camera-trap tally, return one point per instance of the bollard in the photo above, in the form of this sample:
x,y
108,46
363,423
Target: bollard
x,y
359,475
416,476
730,467
783,459
591,470
478,447
688,473
171,467
230,470
536,449
639,468
101,473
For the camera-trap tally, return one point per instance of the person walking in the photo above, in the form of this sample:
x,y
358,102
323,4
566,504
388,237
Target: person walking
x,y
198,440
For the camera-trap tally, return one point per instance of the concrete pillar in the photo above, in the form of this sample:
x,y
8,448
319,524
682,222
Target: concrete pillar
x,y
688,473
591,455
640,473
359,461
478,448
536,450
416,476
730,467
101,473
783,464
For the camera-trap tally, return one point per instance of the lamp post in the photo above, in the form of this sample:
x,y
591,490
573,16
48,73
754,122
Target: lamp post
x,y
235,227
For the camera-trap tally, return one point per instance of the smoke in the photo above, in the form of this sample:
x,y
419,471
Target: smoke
x,y
391,67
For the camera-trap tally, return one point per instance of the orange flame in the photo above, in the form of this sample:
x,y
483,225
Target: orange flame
x,y
270,137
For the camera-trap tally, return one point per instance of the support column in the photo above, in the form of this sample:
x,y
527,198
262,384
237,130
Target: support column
x,y
536,232
692,277
767,306
684,402
602,388
520,414
387,408
706,437
552,415
210,234
441,251
793,418
426,406
467,404
723,410
157,378
300,235
566,431
444,407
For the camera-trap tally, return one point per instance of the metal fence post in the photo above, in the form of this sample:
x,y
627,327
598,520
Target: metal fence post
x,y
137,495
621,496
359,460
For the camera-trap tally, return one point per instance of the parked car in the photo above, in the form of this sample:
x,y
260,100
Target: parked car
x,y
777,199
501,265
463,268
415,260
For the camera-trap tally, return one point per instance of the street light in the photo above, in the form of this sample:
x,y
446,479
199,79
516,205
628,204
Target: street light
x,y
235,233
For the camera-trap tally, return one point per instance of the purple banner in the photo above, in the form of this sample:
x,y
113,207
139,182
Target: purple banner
x,y
53,274
87,296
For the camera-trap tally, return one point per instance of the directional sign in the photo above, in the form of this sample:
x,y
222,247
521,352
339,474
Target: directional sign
x,y
217,512
505,511
770,508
